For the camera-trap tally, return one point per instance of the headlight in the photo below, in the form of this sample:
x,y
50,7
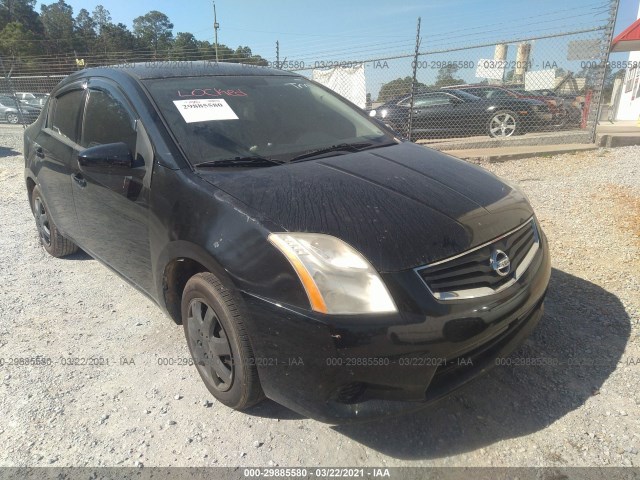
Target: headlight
x,y
336,277
384,112
372,113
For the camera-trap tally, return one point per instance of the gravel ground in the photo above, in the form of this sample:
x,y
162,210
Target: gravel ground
x,y
582,411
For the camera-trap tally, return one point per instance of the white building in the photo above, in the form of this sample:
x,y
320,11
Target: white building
x,y
628,94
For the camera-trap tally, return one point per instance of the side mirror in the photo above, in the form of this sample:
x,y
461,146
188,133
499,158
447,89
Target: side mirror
x,y
107,158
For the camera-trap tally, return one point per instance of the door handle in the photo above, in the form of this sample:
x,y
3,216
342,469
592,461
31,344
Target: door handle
x,y
39,151
79,179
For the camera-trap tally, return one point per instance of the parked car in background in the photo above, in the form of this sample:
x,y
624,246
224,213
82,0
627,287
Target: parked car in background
x,y
33,99
451,113
546,92
564,113
12,112
572,103
311,255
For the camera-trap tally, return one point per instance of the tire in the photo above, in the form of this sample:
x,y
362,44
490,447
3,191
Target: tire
x,y
503,124
54,243
219,343
562,119
12,118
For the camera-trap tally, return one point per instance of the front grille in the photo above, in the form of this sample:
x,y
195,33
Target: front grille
x,y
476,272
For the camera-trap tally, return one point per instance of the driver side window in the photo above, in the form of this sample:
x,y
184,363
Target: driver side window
x,y
432,100
107,120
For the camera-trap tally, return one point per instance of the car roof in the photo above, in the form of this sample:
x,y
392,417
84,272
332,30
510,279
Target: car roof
x,y
170,69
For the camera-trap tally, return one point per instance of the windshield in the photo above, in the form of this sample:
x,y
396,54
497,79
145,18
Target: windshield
x,y
273,117
465,95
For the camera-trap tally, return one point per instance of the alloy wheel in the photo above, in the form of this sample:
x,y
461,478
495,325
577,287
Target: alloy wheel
x,y
12,118
42,218
502,125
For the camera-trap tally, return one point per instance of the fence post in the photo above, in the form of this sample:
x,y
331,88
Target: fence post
x,y
607,36
7,77
414,80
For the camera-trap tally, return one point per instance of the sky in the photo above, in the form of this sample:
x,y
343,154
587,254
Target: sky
x,y
339,30
339,26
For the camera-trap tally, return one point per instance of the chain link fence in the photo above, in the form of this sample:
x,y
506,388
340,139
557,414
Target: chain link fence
x,y
536,89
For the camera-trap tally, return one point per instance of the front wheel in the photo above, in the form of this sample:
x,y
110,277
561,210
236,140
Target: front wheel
x,y
503,124
219,342
54,243
12,118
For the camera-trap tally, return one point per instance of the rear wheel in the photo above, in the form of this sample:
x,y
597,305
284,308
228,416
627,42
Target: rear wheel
x,y
562,118
504,124
219,342
55,244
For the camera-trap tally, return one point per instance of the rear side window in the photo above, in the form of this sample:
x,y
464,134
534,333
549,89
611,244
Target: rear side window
x,y
107,120
66,113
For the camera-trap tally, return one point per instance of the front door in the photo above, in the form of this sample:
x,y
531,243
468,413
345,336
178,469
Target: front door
x,y
112,206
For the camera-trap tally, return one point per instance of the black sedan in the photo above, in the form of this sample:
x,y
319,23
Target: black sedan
x,y
12,111
311,256
455,113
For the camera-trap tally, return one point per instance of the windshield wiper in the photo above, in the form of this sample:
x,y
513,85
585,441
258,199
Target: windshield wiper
x,y
249,161
341,147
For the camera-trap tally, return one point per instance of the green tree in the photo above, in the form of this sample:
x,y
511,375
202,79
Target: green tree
x,y
225,54
57,19
85,32
244,55
101,17
20,11
185,47
116,38
446,76
205,49
16,41
154,30
396,88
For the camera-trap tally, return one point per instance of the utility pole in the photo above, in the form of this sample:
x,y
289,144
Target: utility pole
x,y
216,26
277,54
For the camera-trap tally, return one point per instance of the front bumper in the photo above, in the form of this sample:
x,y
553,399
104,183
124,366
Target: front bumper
x,y
339,369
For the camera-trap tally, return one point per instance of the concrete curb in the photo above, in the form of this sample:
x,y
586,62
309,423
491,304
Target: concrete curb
x,y
618,140
494,157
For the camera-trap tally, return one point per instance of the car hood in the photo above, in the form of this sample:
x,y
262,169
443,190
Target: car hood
x,y
401,206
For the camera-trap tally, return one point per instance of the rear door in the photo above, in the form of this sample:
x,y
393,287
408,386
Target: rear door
x,y
113,205
56,149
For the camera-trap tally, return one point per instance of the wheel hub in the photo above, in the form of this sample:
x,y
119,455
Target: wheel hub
x,y
42,218
210,345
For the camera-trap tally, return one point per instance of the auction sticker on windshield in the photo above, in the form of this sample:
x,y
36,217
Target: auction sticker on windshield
x,y
204,110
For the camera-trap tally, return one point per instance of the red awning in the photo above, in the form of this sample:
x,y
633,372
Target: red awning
x,y
628,40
